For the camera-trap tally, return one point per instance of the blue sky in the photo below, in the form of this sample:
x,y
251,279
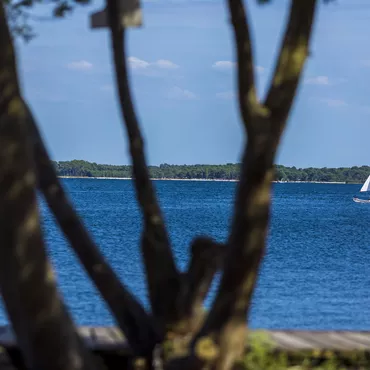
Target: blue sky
x,y
183,79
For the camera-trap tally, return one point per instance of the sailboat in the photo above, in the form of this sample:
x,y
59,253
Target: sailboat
x,y
365,188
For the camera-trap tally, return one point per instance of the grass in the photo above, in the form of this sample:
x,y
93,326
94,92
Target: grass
x,y
262,355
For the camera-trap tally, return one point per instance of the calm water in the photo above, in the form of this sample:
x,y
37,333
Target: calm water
x,y
316,273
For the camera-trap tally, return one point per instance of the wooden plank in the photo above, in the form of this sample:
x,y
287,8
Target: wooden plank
x,y
111,338
290,341
347,342
335,342
104,339
93,338
359,337
331,340
117,334
315,338
85,333
103,335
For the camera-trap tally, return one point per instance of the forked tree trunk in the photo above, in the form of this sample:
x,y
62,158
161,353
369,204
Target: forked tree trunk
x,y
214,340
45,331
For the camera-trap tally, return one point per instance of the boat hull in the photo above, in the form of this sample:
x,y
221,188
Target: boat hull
x,y
357,200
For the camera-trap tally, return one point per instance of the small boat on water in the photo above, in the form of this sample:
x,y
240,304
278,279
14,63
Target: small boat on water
x,y
365,188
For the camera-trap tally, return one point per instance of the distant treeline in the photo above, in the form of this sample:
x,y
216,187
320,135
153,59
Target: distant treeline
x,y
228,171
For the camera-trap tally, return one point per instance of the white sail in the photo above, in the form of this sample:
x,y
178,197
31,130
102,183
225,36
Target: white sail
x,y
366,185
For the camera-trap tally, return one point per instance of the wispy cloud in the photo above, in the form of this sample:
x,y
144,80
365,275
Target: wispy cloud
x,y
140,64
223,65
166,64
226,95
318,80
227,65
323,80
80,65
178,93
136,63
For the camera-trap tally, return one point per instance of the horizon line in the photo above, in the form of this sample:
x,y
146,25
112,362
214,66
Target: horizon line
x,y
208,164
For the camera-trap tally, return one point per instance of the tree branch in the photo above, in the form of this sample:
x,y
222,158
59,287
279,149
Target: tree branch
x,y
206,258
225,327
293,53
131,317
223,334
248,100
162,276
43,327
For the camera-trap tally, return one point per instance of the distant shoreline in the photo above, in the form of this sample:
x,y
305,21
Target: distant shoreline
x,y
200,180
202,172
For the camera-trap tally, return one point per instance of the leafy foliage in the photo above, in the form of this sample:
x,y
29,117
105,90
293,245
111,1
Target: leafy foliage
x,y
19,14
42,324
261,354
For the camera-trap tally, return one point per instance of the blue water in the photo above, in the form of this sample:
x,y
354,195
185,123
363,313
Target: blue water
x,y
316,273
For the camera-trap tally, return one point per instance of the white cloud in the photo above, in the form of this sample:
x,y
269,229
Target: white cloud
x,y
318,80
223,65
80,65
324,80
166,64
227,65
136,63
227,95
180,94
140,64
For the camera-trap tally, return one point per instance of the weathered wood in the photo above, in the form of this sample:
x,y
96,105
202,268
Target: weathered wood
x,y
116,333
111,338
358,337
290,341
320,340
104,338
85,332
111,345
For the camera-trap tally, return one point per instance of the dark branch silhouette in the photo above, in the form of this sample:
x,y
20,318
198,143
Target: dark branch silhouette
x,y
205,260
163,279
129,314
225,326
248,101
293,53
43,327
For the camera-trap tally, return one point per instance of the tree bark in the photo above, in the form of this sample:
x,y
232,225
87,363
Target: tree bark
x,y
135,323
206,259
224,331
44,329
163,278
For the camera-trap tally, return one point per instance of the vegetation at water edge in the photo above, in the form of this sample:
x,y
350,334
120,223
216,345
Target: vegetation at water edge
x,y
228,171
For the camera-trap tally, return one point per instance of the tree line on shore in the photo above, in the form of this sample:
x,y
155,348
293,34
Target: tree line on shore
x,y
229,171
